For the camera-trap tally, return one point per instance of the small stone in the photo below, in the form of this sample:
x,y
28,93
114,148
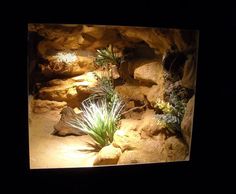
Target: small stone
x,y
107,155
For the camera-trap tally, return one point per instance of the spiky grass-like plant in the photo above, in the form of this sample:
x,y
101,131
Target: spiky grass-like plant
x,y
99,121
104,90
107,56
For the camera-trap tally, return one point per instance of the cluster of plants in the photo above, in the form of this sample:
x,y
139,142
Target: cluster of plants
x,y
172,113
102,110
107,56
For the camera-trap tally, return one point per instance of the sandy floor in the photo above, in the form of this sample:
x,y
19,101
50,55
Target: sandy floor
x,y
49,151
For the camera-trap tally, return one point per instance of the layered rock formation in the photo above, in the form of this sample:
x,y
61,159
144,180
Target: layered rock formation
x,y
64,69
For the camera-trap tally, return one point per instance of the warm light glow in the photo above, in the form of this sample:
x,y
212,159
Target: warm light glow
x,y
120,132
66,57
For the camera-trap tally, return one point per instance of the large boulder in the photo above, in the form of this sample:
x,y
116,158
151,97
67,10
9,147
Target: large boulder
x,y
187,122
108,155
155,92
149,72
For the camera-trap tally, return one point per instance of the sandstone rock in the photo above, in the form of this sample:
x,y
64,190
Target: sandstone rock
x,y
153,37
126,139
129,124
96,32
132,92
190,73
186,124
155,92
67,64
138,157
175,149
42,106
151,72
107,155
148,124
73,90
155,151
93,37
62,128
149,151
54,31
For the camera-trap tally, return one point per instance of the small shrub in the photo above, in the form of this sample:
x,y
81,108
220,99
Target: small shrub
x,y
107,56
172,113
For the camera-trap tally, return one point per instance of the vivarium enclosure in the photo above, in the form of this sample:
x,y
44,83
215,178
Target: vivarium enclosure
x,y
110,95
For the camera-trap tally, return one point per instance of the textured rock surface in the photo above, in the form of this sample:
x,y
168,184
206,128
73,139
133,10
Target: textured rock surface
x,y
107,155
151,72
67,64
73,90
148,126
142,141
155,92
155,150
126,139
141,93
93,37
186,124
132,92
62,128
190,73
42,106
68,50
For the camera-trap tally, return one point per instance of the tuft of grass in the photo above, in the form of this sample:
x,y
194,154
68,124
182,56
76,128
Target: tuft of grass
x,y
99,121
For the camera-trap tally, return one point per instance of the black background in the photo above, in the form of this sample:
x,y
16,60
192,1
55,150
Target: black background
x,y
212,156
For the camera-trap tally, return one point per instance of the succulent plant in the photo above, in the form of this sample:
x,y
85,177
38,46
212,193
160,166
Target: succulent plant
x,y
172,113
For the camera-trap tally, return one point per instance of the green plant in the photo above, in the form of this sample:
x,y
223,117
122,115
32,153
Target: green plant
x,y
104,90
99,121
102,110
173,113
107,56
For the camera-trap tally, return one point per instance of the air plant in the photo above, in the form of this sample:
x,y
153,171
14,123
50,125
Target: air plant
x,y
99,121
